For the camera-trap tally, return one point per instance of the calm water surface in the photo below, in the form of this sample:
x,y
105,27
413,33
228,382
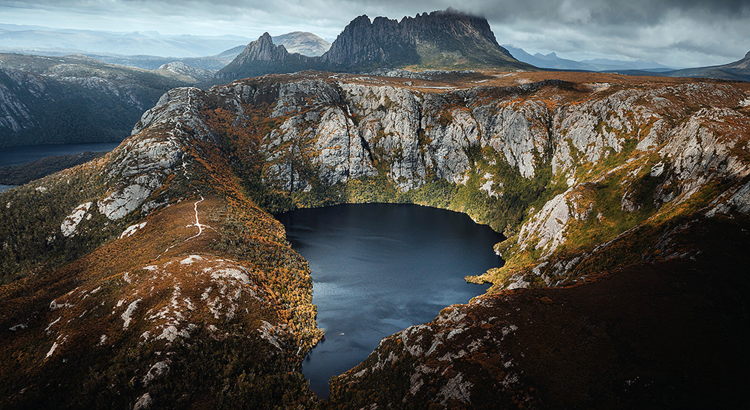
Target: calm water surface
x,y
22,155
379,268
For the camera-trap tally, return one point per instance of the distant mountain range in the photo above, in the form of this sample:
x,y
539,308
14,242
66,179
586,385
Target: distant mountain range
x,y
438,40
552,61
147,50
75,99
734,71
34,39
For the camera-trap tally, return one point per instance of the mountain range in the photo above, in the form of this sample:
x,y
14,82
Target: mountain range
x,y
737,70
63,100
734,71
438,40
34,39
552,61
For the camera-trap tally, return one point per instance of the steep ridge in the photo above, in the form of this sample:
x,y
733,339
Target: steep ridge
x,y
63,100
625,205
438,40
167,285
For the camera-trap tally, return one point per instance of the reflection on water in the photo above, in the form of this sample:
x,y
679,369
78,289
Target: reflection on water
x,y
379,268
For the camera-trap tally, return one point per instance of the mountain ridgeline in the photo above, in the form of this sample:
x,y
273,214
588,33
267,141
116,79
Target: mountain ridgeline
x,y
438,40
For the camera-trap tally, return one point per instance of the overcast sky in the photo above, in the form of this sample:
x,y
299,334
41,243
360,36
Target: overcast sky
x,y
678,33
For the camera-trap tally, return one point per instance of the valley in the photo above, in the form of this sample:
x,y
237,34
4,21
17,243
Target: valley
x,y
156,275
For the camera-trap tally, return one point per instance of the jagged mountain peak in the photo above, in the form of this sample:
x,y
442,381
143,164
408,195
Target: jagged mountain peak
x,y
440,39
264,49
446,39
262,56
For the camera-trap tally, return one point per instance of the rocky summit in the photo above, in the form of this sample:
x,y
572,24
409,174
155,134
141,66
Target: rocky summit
x,y
438,40
156,277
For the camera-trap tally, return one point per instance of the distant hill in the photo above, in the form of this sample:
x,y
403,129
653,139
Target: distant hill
x,y
74,99
145,62
307,44
34,40
438,40
552,61
186,72
738,70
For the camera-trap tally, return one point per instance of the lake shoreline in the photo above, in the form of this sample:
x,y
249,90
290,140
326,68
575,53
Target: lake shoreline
x,y
380,268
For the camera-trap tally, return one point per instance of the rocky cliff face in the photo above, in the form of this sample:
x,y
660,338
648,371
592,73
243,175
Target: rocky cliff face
x,y
436,40
62,100
161,256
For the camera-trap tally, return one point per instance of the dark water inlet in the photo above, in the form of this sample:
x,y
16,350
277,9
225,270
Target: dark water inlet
x,y
25,154
22,155
379,268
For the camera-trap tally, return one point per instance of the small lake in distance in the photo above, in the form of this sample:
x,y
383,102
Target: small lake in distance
x,y
380,268
22,155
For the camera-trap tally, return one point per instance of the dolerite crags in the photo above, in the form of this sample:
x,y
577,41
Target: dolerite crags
x,y
441,39
438,40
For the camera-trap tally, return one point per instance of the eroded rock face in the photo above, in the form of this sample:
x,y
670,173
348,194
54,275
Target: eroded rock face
x,y
519,131
193,73
548,226
333,130
140,167
69,225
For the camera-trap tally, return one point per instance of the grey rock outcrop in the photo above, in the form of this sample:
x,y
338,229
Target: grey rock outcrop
x,y
441,39
194,74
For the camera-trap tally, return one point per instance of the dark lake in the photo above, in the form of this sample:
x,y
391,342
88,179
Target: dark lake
x,y
379,268
22,155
